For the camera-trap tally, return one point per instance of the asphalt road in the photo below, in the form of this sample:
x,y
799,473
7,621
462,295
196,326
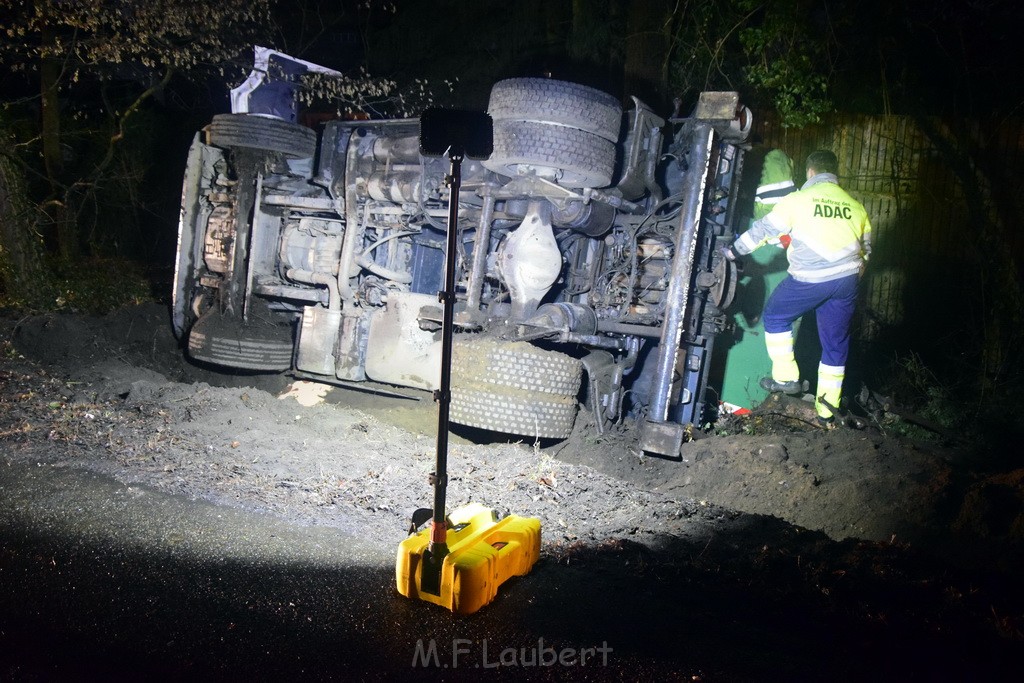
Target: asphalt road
x,y
103,579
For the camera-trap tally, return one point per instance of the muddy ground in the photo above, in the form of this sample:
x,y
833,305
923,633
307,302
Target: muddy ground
x,y
925,530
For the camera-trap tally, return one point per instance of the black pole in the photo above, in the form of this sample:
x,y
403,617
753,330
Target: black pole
x,y
455,134
438,528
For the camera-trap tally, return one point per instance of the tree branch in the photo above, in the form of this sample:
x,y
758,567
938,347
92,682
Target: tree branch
x,y
132,108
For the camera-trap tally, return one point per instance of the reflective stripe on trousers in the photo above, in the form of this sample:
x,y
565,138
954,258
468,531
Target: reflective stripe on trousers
x,y
830,388
780,351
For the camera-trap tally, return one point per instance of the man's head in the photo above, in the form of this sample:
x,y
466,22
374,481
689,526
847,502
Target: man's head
x,y
822,161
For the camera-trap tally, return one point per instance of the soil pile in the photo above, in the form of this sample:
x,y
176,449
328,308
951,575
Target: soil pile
x,y
847,523
121,382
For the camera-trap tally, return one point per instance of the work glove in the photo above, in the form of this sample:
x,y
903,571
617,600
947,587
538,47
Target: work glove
x,y
727,253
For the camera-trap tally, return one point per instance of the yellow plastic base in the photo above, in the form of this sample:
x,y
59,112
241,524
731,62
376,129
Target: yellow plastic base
x,y
483,554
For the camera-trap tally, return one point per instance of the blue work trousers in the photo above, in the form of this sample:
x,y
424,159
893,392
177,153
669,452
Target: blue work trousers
x,y
832,301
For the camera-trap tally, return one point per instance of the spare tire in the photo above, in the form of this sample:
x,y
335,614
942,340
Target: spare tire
x,y
543,100
513,411
518,365
250,131
514,388
574,157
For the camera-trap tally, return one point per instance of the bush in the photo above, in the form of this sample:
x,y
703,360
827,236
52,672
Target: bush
x,y
94,286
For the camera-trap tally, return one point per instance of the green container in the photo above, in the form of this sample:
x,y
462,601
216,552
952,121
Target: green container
x,y
747,359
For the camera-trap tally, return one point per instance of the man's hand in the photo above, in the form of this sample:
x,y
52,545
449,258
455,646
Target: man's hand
x,y
727,253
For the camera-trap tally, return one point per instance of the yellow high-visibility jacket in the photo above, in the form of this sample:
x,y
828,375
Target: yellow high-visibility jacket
x,y
830,231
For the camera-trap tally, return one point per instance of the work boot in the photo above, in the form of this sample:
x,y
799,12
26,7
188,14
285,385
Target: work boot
x,y
827,422
791,388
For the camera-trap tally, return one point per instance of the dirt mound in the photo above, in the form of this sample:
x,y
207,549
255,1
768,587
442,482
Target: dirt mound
x,y
359,456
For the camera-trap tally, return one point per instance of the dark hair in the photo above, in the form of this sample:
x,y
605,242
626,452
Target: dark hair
x,y
823,161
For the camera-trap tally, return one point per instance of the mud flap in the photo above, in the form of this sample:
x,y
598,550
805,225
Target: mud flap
x,y
662,438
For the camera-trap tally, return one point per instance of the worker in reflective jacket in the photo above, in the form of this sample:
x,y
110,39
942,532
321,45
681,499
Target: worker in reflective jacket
x,y
830,243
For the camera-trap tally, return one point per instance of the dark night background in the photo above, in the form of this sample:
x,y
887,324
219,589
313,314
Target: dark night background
x,y
90,172
907,58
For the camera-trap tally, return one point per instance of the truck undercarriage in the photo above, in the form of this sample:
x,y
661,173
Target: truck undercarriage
x,y
588,272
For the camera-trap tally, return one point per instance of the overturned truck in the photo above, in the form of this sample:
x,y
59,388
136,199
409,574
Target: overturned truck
x,y
588,271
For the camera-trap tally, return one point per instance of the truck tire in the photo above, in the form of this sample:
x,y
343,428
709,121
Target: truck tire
x,y
260,133
223,340
543,100
513,411
581,159
514,388
517,365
